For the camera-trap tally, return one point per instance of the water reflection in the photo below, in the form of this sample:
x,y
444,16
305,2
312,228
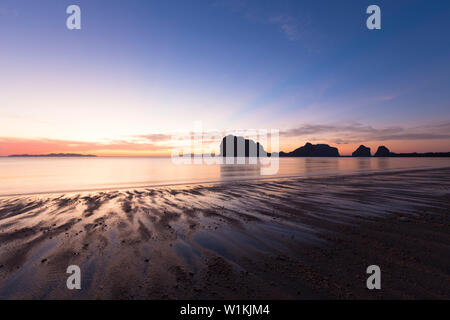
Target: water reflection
x,y
240,167
383,163
20,175
313,166
364,163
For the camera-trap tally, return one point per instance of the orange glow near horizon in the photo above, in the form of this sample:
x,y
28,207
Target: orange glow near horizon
x,y
10,146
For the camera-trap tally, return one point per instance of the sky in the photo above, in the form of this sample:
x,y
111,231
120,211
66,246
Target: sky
x,y
141,71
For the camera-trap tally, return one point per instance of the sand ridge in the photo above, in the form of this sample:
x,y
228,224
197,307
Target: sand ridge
x,y
278,239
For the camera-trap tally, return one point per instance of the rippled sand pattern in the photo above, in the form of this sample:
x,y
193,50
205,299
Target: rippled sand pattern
x,y
279,239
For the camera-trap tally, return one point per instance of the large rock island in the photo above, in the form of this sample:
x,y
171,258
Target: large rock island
x,y
234,146
312,150
362,151
383,152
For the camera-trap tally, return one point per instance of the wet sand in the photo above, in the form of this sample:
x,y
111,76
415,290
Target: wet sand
x,y
275,239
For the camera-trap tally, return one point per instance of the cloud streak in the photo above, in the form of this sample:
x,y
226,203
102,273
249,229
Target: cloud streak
x,y
4,12
356,132
161,144
287,25
10,146
155,137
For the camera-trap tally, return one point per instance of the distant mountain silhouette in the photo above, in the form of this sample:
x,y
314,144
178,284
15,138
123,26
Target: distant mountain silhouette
x,y
55,155
421,155
362,151
234,146
385,152
312,150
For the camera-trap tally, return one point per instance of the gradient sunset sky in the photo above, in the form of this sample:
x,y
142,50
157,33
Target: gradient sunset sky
x,y
139,71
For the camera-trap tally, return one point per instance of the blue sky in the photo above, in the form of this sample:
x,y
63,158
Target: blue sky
x,y
309,68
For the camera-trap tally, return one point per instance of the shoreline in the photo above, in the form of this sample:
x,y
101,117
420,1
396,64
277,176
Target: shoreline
x,y
223,181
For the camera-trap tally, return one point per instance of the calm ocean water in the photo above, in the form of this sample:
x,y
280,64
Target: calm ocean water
x,y
41,175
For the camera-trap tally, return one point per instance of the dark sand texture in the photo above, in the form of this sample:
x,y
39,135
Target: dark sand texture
x,y
274,239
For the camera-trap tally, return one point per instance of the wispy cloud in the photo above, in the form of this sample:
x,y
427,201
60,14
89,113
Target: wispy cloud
x,y
356,132
10,146
162,144
155,137
290,24
386,97
287,25
4,11
326,128
415,136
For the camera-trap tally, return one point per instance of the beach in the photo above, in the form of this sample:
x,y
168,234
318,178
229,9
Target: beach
x,y
282,238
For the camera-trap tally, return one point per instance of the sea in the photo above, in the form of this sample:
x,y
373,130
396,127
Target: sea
x,y
30,175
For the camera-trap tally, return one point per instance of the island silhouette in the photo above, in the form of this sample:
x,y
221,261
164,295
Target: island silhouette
x,y
237,146
54,155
